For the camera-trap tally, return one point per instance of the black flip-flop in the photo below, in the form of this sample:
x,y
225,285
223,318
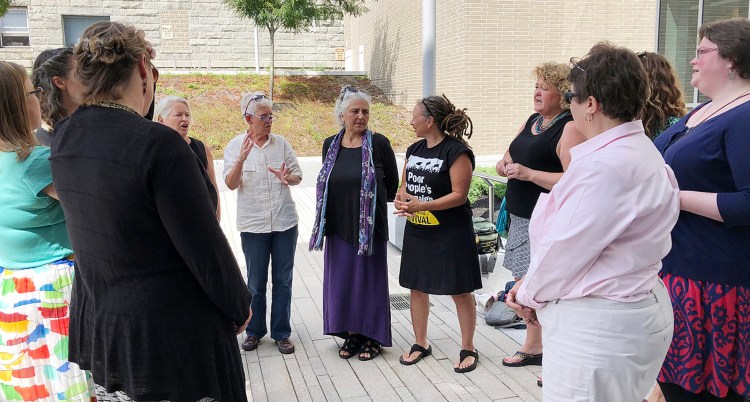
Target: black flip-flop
x,y
416,348
462,356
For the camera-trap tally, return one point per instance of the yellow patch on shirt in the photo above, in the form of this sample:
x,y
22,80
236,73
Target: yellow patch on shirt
x,y
424,218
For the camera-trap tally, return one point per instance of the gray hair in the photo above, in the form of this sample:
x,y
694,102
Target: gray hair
x,y
348,94
251,100
164,107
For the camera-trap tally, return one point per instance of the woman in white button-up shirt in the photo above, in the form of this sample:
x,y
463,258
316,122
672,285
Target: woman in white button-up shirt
x,y
263,166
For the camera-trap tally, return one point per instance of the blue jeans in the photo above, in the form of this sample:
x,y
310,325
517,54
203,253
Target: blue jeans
x,y
258,248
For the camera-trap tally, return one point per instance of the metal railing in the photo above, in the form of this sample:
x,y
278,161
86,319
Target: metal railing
x,y
489,179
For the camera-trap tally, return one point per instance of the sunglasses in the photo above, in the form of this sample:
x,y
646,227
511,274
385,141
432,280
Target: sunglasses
x,y
349,88
574,63
154,71
569,95
36,92
255,98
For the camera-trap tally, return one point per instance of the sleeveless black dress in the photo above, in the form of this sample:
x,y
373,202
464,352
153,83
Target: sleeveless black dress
x,y
439,254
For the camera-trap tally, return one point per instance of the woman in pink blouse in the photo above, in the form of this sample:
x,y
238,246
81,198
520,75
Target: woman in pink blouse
x,y
597,240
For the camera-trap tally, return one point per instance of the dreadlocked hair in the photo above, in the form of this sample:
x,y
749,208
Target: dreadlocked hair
x,y
451,120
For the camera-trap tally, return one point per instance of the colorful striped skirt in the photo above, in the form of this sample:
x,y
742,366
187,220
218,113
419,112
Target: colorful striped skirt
x,y
710,348
34,317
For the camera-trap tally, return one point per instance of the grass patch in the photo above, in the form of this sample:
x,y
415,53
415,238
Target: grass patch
x,y
479,187
303,108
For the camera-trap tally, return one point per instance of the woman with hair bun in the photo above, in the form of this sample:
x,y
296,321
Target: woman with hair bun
x,y
158,299
54,72
439,254
358,177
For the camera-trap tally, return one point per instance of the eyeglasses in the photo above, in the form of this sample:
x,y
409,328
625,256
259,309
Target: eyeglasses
x,y
569,95
255,98
574,63
36,92
641,55
154,71
702,51
264,118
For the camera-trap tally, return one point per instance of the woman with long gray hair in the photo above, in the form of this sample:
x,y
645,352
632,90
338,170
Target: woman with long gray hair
x,y
359,175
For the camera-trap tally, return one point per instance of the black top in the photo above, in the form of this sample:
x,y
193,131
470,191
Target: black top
x,y
157,291
199,149
428,178
538,152
43,136
345,181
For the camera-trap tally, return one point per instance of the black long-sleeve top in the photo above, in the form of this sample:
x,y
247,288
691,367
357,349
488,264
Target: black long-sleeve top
x,y
158,291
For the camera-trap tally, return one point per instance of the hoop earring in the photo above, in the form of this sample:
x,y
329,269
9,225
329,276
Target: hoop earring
x,y
145,84
588,117
730,74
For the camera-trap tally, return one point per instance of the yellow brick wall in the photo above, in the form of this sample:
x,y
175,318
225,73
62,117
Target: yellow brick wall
x,y
486,50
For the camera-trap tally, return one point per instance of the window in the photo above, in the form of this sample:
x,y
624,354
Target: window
x,y
678,33
74,25
14,27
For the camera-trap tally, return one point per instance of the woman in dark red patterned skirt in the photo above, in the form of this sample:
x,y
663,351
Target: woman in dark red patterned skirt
x,y
707,271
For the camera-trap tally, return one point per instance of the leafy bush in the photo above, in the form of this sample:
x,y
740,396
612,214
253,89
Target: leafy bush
x,y
479,187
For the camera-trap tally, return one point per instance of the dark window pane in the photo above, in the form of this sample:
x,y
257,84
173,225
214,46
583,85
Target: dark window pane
x,y
678,27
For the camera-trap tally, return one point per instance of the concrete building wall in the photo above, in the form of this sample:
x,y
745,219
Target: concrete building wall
x,y
186,34
487,49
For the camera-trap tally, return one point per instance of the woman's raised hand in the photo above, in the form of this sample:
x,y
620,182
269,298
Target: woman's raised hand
x,y
247,145
282,173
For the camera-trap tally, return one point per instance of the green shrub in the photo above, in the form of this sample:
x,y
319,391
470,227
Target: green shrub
x,y
479,187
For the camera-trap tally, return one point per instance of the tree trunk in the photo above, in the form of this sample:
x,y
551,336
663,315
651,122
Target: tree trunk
x,y
271,32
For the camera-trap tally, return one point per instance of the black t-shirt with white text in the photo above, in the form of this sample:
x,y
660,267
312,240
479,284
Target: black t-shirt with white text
x,y
428,178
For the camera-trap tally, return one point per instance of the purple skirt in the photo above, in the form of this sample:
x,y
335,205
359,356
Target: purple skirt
x,y
355,291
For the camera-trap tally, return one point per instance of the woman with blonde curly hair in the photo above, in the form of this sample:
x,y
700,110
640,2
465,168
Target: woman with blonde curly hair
x,y
665,105
533,163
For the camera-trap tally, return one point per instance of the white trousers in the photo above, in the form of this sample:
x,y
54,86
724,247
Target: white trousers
x,y
602,350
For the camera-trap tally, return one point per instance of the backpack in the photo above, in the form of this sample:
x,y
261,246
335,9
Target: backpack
x,y
500,315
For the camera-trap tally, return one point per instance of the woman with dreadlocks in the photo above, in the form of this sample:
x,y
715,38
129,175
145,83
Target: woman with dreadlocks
x,y
439,252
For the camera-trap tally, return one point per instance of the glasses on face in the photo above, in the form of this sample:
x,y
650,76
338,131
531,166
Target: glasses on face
x,y
569,95
255,98
701,51
264,118
574,63
154,72
36,92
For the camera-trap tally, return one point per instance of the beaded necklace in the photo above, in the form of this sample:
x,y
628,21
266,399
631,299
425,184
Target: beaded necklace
x,y
115,105
538,123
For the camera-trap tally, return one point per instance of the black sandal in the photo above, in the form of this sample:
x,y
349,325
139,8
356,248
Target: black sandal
x,y
372,347
462,356
527,359
416,348
352,344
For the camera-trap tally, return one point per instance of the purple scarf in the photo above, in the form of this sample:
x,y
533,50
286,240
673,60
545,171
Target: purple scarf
x,y
367,195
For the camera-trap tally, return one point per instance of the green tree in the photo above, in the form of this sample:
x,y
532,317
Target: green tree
x,y
4,6
293,15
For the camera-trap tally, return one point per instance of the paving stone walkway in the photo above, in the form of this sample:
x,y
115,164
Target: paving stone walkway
x,y
316,373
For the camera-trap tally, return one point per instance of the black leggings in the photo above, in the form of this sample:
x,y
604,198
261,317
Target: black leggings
x,y
675,393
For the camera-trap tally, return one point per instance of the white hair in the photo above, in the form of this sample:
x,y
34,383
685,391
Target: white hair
x,y
250,103
164,107
348,94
